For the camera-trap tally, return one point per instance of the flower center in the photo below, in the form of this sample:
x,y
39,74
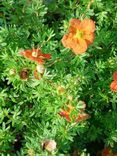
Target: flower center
x,y
79,34
34,53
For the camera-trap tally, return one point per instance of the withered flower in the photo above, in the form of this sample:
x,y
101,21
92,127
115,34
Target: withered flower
x,y
24,74
82,117
49,145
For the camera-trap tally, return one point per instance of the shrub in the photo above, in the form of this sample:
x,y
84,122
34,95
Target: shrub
x,y
64,105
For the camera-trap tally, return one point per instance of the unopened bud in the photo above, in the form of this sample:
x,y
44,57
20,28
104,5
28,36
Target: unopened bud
x,y
30,152
40,68
12,72
81,105
49,145
60,90
70,98
37,75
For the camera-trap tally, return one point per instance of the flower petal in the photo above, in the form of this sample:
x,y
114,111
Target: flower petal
x,y
79,47
87,25
67,40
115,75
89,38
70,108
82,117
65,114
38,60
74,25
46,56
26,53
107,152
113,86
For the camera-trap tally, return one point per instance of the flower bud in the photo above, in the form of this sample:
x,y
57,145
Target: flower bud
x,y
12,72
49,145
40,68
60,90
30,152
37,75
70,98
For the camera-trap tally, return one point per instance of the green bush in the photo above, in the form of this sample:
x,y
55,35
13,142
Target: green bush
x,y
29,108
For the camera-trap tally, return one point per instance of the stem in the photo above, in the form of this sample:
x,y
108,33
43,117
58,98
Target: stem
x,y
88,7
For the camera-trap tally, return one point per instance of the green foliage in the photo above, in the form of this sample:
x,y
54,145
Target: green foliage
x,y
29,109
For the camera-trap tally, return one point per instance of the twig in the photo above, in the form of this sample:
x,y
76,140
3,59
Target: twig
x,y
88,7
44,42
57,60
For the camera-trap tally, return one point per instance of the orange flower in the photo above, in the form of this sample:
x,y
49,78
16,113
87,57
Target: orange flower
x,y
80,36
115,76
66,113
35,55
107,152
113,85
82,117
